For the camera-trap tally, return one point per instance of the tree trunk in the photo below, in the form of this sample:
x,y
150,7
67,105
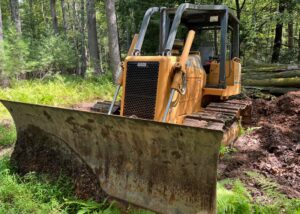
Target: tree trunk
x,y
43,13
32,23
113,39
239,8
92,36
75,28
216,35
83,49
290,8
278,35
15,15
63,10
291,37
4,81
1,27
54,17
299,47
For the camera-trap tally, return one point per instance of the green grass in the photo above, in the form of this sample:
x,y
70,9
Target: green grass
x,y
30,194
7,135
277,202
58,91
34,193
234,198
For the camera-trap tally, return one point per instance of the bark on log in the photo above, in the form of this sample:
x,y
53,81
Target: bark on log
x,y
273,68
265,75
274,90
281,82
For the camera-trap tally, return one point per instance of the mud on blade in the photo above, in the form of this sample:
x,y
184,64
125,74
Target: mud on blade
x,y
163,167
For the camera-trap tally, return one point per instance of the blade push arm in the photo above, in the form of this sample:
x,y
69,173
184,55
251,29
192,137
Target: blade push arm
x,y
179,80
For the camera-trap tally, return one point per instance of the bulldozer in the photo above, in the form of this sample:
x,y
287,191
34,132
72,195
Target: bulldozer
x,y
157,147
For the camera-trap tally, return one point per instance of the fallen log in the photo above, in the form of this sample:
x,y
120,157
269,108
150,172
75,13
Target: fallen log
x,y
284,74
271,68
281,82
273,90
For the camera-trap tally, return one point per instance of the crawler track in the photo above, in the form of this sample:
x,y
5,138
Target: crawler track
x,y
223,116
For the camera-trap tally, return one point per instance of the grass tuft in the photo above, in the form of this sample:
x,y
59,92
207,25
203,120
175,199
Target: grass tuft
x,y
7,135
224,150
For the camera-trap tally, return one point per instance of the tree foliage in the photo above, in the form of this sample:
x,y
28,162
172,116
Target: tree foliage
x,y
38,45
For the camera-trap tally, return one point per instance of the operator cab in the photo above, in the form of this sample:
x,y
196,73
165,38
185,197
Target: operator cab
x,y
217,38
216,41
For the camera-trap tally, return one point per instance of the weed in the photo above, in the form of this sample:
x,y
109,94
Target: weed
x,y
84,207
226,150
278,202
249,130
236,200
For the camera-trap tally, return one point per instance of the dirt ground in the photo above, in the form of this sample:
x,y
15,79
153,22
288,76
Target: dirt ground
x,y
272,148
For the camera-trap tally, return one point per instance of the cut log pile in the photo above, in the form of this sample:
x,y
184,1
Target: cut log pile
x,y
273,79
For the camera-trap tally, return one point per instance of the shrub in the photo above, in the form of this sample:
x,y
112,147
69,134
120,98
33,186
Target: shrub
x,y
52,53
14,53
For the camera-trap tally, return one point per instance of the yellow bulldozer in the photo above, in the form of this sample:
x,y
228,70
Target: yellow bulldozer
x,y
158,147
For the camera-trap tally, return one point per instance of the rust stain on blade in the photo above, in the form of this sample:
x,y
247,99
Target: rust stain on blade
x,y
166,168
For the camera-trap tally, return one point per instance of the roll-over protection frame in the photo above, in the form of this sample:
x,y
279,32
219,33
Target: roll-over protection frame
x,y
168,33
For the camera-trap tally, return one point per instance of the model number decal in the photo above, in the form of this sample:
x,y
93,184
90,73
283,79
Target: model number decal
x,y
142,64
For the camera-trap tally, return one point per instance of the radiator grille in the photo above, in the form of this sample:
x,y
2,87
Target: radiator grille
x,y
140,89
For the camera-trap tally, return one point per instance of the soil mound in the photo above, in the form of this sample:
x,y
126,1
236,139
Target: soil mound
x,y
273,148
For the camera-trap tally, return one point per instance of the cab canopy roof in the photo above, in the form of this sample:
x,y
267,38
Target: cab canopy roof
x,y
195,16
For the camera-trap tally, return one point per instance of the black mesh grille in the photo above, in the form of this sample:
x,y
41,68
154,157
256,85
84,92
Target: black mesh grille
x,y
140,89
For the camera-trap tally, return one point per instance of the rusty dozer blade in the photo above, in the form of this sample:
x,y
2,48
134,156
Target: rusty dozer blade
x,y
166,168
